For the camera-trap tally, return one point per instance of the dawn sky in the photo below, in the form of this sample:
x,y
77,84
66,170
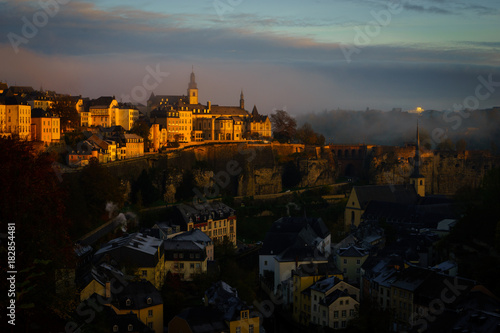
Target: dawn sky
x,y
283,54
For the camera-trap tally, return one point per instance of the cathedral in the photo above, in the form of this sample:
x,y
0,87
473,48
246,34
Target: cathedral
x,y
181,118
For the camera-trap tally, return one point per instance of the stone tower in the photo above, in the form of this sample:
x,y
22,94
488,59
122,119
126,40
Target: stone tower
x,y
192,90
416,179
242,100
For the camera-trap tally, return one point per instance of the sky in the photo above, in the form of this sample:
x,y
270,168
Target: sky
x,y
301,56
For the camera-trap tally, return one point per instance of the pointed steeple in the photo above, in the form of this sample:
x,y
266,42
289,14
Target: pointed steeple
x,y
242,100
416,179
192,90
192,82
416,168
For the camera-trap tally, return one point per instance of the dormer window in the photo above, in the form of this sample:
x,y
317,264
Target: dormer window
x,y
149,300
130,327
128,302
115,328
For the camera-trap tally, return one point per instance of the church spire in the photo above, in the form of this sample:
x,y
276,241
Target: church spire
x,y
416,179
192,90
242,100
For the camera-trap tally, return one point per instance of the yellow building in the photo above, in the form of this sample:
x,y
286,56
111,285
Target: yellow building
x,y
303,278
134,145
185,258
44,126
205,122
15,117
216,220
41,102
349,261
138,254
361,196
235,312
142,299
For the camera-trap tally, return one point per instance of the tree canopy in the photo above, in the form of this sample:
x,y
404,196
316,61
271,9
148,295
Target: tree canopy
x,y
284,126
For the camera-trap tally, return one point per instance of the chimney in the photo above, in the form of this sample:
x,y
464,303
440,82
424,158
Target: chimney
x,y
108,290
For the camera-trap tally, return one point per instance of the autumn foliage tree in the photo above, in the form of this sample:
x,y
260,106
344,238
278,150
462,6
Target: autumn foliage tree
x,y
31,197
65,108
284,126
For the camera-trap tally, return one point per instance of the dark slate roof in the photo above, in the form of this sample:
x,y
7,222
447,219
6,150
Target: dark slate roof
x,y
297,232
142,294
137,249
183,213
313,269
102,101
402,194
195,235
108,318
41,113
225,298
411,278
336,294
21,89
352,251
325,284
10,99
228,111
203,319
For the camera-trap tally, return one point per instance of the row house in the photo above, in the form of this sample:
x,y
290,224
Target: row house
x,y
144,255
409,291
216,220
290,242
105,111
185,258
15,117
184,119
45,127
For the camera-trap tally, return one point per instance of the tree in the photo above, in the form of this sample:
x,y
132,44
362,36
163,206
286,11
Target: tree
x,y
99,186
284,126
65,108
308,136
142,129
461,145
32,199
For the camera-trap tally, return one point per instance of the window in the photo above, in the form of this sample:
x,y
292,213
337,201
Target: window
x,y
191,265
335,314
341,302
238,329
130,327
150,313
115,328
345,261
358,261
150,325
344,313
336,324
149,300
128,302
250,328
144,273
351,312
343,324
346,302
181,265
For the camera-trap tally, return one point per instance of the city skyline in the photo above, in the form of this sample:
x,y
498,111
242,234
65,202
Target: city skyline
x,y
299,57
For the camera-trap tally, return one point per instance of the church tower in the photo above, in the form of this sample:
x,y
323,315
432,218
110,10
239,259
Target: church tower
x,y
192,90
416,179
242,100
